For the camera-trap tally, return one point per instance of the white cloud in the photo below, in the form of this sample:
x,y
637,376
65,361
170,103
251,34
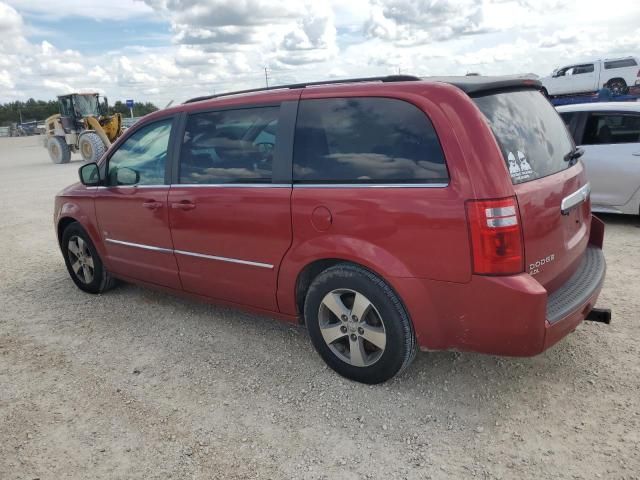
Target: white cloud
x,y
411,22
99,10
5,80
226,44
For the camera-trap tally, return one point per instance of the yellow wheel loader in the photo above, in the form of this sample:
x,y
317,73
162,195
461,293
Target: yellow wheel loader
x,y
83,125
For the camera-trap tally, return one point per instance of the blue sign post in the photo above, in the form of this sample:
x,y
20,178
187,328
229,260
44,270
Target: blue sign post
x,y
130,105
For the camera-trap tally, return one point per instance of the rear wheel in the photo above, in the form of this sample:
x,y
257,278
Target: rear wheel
x,y
91,147
58,150
83,262
358,324
618,86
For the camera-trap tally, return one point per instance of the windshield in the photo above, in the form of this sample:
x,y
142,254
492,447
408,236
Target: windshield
x,y
532,136
86,105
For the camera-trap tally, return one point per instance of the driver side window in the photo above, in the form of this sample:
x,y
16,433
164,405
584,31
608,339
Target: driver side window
x,y
229,146
141,158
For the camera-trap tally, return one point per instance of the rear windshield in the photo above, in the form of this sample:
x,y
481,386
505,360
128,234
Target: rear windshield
x,y
532,136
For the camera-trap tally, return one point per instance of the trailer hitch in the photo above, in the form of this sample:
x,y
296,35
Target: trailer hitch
x,y
600,315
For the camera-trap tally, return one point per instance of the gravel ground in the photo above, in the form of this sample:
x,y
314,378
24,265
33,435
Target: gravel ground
x,y
138,384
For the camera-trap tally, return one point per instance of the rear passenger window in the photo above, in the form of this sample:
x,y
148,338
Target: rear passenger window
x,y
230,146
627,62
365,140
611,128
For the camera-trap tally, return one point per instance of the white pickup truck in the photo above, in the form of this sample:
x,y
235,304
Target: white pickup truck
x,y
618,74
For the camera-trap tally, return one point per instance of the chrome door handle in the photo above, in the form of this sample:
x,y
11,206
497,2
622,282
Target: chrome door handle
x,y
152,204
636,154
184,205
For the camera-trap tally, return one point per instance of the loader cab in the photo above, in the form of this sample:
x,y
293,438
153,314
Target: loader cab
x,y
80,105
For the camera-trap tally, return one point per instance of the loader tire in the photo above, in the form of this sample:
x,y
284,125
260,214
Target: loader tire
x,y
91,147
59,150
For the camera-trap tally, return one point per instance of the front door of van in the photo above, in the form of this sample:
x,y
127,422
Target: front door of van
x,y
131,208
230,220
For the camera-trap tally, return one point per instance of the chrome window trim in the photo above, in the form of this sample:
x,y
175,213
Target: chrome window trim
x,y
231,185
139,245
282,185
576,198
190,254
103,187
224,259
370,185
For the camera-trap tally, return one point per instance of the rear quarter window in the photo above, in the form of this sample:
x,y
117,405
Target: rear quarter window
x,y
627,62
366,140
533,138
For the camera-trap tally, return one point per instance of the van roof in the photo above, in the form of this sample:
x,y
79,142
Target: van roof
x,y
469,84
477,83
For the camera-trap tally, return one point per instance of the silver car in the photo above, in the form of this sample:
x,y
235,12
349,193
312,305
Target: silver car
x,y
609,134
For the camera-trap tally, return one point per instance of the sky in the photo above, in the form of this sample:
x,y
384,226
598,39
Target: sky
x,y
164,50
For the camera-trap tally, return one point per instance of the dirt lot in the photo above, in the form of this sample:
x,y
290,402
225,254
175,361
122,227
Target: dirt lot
x,y
137,384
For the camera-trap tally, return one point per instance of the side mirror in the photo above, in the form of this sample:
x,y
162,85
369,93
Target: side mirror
x,y
127,176
89,174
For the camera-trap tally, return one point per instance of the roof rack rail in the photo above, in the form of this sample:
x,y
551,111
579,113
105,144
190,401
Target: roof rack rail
x,y
388,78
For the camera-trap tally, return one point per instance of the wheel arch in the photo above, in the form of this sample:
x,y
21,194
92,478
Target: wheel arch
x,y
63,223
313,269
317,254
611,80
72,213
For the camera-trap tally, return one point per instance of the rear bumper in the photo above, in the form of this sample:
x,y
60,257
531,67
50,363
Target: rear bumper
x,y
511,315
570,304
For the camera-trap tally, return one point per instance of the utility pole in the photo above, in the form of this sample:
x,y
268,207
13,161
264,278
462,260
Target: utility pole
x,y
266,77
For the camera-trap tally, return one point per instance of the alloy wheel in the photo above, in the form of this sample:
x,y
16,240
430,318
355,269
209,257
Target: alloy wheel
x,y
352,327
81,259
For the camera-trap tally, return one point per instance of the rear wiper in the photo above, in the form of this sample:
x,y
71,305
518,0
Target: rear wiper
x,y
573,155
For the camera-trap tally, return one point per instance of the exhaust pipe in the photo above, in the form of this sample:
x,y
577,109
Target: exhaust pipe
x,y
600,315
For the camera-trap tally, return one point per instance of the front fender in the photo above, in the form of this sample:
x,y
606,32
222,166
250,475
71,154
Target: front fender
x,y
356,250
81,210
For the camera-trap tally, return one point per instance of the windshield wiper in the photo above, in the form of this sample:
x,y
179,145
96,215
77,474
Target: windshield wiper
x,y
573,155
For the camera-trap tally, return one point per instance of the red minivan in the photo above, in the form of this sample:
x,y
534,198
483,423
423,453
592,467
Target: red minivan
x,y
387,214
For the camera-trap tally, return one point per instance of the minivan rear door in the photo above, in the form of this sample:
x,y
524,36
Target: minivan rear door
x,y
549,182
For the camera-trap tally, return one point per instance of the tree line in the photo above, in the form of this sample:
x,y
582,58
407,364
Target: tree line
x,y
40,109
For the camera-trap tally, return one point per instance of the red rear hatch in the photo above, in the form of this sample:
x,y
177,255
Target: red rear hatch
x,y
540,156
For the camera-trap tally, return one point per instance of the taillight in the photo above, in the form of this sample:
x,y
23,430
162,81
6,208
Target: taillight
x,y
496,236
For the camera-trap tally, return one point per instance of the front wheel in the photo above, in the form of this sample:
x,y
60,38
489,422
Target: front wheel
x,y
91,147
83,262
358,325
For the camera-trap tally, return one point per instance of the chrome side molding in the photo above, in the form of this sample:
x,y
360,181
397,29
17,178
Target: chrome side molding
x,y
190,254
139,245
576,198
225,259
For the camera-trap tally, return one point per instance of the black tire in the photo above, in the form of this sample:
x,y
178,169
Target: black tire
x,y
91,147
618,86
544,92
100,280
59,151
400,348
